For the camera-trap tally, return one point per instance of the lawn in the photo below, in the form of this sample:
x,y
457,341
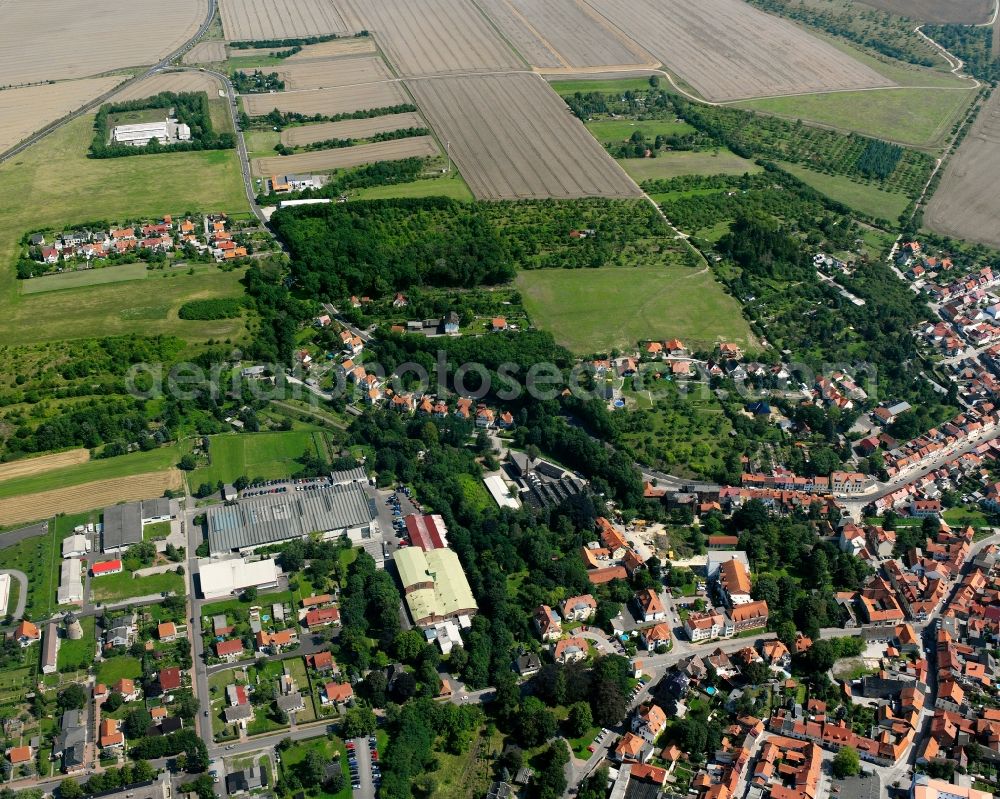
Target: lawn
x,y
331,747
113,587
687,162
72,653
53,184
87,277
962,518
452,186
567,87
869,200
261,142
618,130
919,117
155,531
597,310
100,469
467,774
266,456
114,669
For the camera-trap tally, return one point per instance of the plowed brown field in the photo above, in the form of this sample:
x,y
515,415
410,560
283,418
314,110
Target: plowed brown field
x,y
331,73
206,53
513,138
728,50
966,205
327,101
43,463
260,20
57,39
431,37
349,129
76,499
346,157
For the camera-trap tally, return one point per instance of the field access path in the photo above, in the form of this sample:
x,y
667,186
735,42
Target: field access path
x,y
98,101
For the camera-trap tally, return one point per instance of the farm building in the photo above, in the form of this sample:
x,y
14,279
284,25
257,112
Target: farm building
x,y
333,511
426,531
434,585
225,577
106,567
4,593
280,184
169,131
70,581
50,648
75,546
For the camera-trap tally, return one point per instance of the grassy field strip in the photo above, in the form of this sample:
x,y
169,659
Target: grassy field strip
x,y
87,277
867,199
619,130
654,303
76,499
687,162
451,186
43,463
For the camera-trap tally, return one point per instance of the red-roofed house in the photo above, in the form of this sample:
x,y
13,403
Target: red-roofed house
x,y
322,617
106,567
229,650
336,693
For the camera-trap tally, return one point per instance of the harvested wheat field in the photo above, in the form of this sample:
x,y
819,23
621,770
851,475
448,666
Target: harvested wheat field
x,y
432,37
43,463
344,100
359,45
563,34
349,129
57,39
206,53
252,20
513,138
966,205
331,73
171,82
24,111
76,499
346,157
728,50
965,12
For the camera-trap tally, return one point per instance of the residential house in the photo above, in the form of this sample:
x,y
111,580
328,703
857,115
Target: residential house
x,y
579,608
547,623
570,650
751,616
110,736
127,688
322,617
336,693
649,721
26,633
632,748
657,635
229,650
649,606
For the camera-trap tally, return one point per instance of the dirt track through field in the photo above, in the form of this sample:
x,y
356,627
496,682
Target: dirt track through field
x,y
258,20
42,464
965,12
432,37
966,204
58,39
728,50
98,494
513,138
331,73
344,100
563,34
23,111
171,82
350,129
345,157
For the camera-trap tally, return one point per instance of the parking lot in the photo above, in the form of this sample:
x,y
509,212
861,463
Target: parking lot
x,y
393,508
362,759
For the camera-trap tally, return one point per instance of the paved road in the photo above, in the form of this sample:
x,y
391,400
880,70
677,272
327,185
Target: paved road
x,y
95,103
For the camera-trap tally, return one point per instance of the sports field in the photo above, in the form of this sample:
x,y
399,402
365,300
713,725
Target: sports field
x,y
687,162
55,184
867,199
919,117
264,456
597,310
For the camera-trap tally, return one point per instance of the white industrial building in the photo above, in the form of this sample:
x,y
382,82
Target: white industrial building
x,y
169,131
70,581
75,546
226,577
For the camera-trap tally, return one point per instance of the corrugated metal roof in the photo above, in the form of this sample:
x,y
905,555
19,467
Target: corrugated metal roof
x,y
122,525
283,517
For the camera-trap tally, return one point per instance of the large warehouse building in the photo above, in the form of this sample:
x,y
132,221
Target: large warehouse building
x,y
434,584
253,523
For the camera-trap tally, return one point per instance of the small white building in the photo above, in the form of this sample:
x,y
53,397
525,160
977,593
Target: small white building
x,y
75,546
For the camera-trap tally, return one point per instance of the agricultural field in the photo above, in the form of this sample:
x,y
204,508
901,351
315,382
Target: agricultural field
x,y
328,74
349,129
563,34
346,157
338,47
343,100
655,302
687,162
728,50
965,12
512,138
171,82
83,278
54,183
433,37
26,110
43,463
252,20
207,52
917,117
76,499
451,185
257,455
69,39
965,204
